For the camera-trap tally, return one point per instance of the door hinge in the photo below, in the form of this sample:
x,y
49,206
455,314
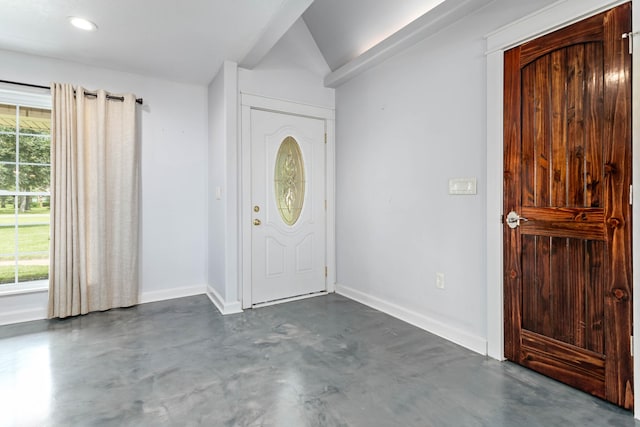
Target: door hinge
x,y
325,138
501,219
326,271
631,346
630,37
631,194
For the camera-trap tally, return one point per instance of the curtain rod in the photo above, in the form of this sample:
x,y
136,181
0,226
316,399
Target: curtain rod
x,y
119,98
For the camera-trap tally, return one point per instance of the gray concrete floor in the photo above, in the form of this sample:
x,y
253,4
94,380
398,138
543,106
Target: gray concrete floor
x,y
325,361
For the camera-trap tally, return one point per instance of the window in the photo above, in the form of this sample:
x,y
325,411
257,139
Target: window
x,y
289,180
25,139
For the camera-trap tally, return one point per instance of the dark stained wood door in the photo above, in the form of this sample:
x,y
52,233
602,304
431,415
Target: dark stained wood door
x,y
567,169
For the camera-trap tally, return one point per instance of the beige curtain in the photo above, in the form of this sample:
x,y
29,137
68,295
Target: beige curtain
x,y
94,202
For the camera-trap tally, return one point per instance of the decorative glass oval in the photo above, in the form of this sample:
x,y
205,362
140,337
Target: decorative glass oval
x,y
289,180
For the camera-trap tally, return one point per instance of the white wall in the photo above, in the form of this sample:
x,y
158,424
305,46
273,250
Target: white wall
x,y
293,70
223,189
173,142
403,129
216,171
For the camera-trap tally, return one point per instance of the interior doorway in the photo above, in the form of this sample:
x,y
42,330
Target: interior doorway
x,y
287,208
567,227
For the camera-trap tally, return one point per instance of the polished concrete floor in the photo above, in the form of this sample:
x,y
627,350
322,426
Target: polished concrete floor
x,y
325,361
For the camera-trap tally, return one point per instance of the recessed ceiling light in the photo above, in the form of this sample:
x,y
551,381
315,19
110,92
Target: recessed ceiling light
x,y
82,23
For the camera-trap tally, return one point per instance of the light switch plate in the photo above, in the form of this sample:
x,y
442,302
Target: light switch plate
x,y
463,186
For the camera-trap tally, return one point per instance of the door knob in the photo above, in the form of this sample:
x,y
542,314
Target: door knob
x,y
257,222
513,219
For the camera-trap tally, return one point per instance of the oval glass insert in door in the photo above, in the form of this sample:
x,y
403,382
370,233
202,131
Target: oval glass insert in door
x,y
289,180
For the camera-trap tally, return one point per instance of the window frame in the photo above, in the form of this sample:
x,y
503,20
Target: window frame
x,y
35,98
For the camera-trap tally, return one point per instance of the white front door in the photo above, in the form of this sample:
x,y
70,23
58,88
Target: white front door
x,y
288,236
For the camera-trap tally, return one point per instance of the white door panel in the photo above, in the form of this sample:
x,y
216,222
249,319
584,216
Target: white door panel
x,y
288,237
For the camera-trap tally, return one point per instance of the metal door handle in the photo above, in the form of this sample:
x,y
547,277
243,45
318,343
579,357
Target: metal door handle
x,y
257,222
513,219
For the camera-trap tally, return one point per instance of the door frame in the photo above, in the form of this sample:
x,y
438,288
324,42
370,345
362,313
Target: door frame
x,y
250,102
544,21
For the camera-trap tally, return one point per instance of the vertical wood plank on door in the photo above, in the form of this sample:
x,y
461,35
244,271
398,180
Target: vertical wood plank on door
x,y
512,197
542,132
536,290
558,286
530,108
543,266
575,126
575,303
531,295
594,86
558,128
594,296
617,140
595,250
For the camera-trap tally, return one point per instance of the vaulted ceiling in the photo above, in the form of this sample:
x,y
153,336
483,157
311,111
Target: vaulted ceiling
x,y
188,40
344,29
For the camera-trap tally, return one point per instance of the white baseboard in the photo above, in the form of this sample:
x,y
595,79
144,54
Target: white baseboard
x,y
472,342
171,293
223,307
39,312
19,316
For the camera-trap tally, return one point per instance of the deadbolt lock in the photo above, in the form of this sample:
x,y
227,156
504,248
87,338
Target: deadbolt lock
x,y
256,208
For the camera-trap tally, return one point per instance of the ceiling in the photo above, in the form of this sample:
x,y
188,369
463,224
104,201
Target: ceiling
x,y
188,40
178,40
344,29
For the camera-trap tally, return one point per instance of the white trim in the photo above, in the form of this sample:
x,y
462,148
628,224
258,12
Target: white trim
x,y
495,307
171,293
291,299
441,16
245,205
223,307
559,14
28,193
285,106
20,316
330,154
460,337
33,287
26,96
40,313
247,103
635,218
548,19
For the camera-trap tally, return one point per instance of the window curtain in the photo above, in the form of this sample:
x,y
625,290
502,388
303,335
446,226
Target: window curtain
x,y
94,202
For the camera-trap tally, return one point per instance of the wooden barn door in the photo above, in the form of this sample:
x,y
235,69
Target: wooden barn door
x,y
567,213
